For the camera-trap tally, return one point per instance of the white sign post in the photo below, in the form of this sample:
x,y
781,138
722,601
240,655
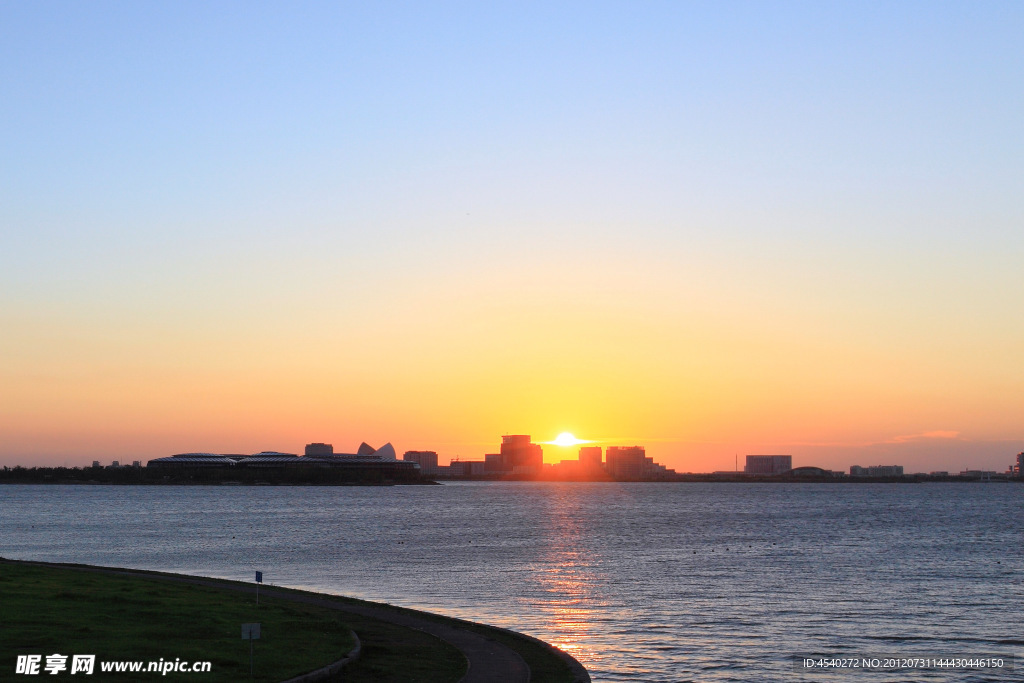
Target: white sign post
x,y
250,632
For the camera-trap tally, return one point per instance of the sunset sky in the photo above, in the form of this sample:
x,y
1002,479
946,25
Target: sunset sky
x,y
710,229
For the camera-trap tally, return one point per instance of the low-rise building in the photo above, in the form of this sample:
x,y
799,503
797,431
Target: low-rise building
x,y
366,455
768,464
494,463
319,449
876,471
981,475
812,472
427,460
467,468
188,460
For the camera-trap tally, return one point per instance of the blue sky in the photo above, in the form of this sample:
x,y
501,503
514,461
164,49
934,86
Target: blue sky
x,y
851,170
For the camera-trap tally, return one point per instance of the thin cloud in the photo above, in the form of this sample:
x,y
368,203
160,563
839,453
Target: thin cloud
x,y
938,434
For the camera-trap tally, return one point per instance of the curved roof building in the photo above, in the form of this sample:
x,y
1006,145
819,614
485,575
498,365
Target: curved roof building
x,y
367,456
269,459
192,460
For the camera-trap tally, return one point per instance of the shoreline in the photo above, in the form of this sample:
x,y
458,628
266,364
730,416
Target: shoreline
x,y
46,480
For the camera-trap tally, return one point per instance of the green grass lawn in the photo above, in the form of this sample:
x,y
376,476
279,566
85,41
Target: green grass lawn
x,y
47,610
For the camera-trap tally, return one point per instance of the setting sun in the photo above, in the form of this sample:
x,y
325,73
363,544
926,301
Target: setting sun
x,y
567,439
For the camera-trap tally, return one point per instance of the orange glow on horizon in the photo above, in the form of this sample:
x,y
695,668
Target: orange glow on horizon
x,y
693,387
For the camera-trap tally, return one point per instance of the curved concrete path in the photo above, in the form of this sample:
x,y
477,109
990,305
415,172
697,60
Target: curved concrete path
x,y
489,661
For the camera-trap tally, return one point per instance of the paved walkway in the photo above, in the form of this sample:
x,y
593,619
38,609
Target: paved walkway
x,y
489,661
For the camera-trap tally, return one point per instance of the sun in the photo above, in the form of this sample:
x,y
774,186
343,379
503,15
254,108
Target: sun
x,y
567,439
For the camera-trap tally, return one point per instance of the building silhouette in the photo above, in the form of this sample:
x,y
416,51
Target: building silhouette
x,y
625,462
590,456
876,471
518,455
768,464
467,468
317,455
427,460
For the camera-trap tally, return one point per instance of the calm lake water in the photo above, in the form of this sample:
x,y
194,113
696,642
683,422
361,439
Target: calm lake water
x,y
640,582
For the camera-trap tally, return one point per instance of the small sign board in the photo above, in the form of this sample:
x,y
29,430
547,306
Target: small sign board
x,y
250,631
259,577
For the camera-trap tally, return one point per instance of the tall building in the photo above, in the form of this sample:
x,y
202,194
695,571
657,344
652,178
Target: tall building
x,y
427,460
590,456
518,455
768,464
625,462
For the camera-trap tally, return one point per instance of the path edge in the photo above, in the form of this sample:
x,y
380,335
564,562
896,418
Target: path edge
x,y
333,668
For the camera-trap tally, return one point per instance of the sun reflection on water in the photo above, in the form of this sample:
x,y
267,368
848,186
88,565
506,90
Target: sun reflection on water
x,y
567,578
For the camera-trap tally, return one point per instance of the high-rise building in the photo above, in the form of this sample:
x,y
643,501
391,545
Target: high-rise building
x,y
768,464
625,462
518,455
590,456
